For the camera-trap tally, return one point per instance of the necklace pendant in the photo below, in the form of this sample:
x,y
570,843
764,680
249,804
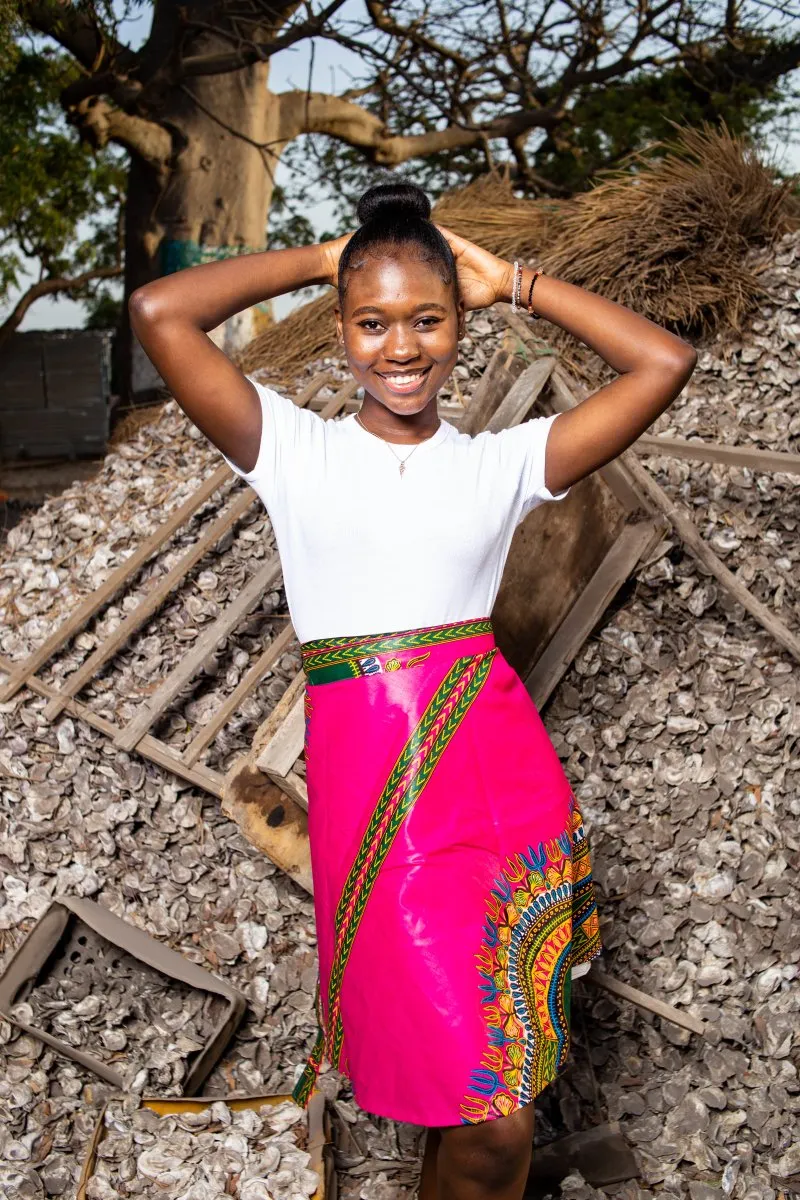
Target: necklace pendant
x,y
402,468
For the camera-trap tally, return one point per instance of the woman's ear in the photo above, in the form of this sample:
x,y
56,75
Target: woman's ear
x,y
462,319
337,312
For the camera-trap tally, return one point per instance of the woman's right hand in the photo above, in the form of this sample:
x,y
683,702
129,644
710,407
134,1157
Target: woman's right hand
x,y
331,252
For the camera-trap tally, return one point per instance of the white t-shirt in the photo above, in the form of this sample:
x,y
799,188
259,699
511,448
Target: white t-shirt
x,y
365,550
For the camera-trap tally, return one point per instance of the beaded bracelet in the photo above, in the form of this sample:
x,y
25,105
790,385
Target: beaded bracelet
x,y
516,288
531,313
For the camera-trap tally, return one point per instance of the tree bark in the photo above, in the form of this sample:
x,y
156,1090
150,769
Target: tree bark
x,y
213,192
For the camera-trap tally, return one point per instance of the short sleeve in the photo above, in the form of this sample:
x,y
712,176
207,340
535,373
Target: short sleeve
x,y
284,429
524,452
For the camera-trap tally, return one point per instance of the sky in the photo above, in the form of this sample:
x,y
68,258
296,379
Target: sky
x,y
333,70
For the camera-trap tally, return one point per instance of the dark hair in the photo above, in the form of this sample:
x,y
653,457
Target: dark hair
x,y
396,215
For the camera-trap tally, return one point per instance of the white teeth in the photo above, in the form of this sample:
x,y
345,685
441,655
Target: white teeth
x,y
409,378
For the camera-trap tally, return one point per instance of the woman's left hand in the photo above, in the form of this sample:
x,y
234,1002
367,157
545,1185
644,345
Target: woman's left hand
x,y
483,278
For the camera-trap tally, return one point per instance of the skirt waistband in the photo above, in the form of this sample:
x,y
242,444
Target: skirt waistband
x,y
328,659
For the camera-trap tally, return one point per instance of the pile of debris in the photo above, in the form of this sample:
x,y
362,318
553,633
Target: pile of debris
x,y
203,1155
678,725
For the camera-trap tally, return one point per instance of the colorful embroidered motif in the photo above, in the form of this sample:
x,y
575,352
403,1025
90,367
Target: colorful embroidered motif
x,y
411,772
541,921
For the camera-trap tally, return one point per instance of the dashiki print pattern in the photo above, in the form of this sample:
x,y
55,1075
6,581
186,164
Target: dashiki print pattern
x,y
436,1020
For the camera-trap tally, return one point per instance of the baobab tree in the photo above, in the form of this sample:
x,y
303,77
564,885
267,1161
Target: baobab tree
x,y
451,83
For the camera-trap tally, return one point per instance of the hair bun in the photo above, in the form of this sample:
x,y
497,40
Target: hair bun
x,y
390,201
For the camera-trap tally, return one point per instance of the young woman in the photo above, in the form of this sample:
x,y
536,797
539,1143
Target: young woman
x,y
452,882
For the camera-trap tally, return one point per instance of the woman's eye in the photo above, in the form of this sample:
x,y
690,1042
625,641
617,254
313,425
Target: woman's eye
x,y
427,322
370,326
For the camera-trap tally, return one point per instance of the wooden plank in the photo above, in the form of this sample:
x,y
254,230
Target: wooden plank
x,y
520,399
253,676
307,394
273,720
191,662
601,1154
92,603
503,369
641,999
715,452
271,821
286,744
149,747
683,524
337,402
633,543
293,785
150,603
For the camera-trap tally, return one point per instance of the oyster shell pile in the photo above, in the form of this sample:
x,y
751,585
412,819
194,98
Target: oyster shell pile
x,y
145,1025
678,725
212,1154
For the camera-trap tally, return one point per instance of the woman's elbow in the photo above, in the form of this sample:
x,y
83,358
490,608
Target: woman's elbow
x,y
143,306
679,363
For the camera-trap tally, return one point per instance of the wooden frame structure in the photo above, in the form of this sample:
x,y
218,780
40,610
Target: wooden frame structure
x,y
616,518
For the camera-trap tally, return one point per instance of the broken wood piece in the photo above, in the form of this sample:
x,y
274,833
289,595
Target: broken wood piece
x,y
634,542
209,780
601,1155
641,999
503,369
715,452
204,645
250,680
150,603
274,719
92,603
683,524
293,785
271,821
286,744
522,396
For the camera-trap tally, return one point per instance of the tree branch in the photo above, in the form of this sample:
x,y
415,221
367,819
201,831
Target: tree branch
x,y
77,31
100,123
254,51
49,287
316,112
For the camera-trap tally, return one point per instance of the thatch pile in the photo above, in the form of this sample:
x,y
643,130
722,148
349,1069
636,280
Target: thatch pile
x,y
671,234
672,240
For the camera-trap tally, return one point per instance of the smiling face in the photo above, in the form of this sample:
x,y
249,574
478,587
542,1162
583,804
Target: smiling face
x,y
400,324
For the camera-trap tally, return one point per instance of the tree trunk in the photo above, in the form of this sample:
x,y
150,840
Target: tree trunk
x,y
214,197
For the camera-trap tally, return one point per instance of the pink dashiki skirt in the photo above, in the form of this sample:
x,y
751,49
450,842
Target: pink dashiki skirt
x,y
452,880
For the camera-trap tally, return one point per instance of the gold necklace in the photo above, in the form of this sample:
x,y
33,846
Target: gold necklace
x,y
402,461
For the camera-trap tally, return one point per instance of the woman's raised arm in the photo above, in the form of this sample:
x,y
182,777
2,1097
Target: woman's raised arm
x,y
172,317
653,364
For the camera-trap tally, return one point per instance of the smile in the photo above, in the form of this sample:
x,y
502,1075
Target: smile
x,y
403,381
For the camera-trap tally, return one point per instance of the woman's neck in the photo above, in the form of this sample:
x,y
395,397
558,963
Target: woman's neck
x,y
399,427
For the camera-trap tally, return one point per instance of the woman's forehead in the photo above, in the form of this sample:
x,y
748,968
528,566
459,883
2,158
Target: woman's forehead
x,y
392,280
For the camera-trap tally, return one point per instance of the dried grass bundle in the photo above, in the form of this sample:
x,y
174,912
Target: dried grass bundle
x,y
284,348
671,240
668,235
487,212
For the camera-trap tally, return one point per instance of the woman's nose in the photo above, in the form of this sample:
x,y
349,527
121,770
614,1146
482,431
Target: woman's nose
x,y
401,344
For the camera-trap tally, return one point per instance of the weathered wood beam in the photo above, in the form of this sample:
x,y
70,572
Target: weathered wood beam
x,y
715,452
92,603
683,525
206,643
150,603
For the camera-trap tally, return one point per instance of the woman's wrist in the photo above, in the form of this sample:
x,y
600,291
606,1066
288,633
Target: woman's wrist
x,y
505,291
528,276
